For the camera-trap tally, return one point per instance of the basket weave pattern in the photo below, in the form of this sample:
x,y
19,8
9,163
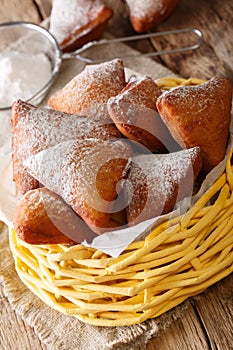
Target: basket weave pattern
x,y
178,259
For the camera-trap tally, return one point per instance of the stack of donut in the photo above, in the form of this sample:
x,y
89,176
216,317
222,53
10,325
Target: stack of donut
x,y
110,153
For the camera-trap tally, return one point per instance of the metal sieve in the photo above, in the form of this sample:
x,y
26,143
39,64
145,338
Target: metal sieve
x,y
31,39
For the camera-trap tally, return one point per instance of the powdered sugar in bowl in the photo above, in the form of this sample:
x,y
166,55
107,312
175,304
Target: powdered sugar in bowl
x,y
30,60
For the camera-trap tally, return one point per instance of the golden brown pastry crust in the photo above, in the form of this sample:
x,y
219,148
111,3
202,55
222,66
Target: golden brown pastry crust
x,y
156,182
79,25
146,14
200,116
83,161
42,217
85,173
89,91
135,114
35,129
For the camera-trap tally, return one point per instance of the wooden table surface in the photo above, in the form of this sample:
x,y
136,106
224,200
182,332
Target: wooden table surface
x,y
207,323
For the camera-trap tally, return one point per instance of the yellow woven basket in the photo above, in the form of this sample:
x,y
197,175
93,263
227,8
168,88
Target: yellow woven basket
x,y
178,259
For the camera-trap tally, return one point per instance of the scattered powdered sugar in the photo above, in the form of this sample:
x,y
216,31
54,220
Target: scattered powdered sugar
x,y
15,82
69,16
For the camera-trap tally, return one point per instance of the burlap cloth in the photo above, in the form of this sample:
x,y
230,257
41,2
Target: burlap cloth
x,y
61,332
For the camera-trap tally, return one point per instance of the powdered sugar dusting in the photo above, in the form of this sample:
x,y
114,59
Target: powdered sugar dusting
x,y
154,180
36,129
69,16
200,115
67,169
135,113
146,8
93,86
36,205
196,99
141,90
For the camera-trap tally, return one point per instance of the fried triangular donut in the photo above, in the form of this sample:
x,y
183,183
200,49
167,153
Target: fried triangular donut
x,y
90,90
75,23
35,129
156,182
200,116
135,114
146,14
85,173
42,217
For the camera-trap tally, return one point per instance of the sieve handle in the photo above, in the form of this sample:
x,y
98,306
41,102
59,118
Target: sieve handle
x,y
195,31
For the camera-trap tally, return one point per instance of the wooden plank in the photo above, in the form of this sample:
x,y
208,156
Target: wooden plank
x,y
121,15
214,57
206,324
184,333
15,334
215,310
